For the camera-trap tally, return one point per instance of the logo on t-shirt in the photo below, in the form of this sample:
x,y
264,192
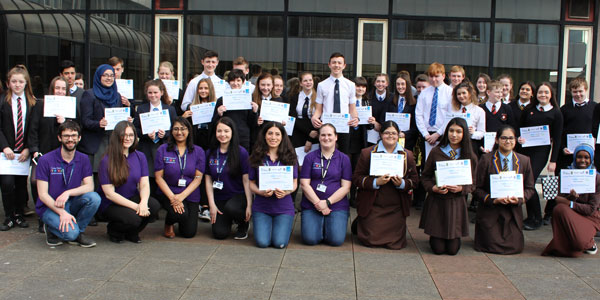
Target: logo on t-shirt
x,y
316,165
56,171
213,162
170,160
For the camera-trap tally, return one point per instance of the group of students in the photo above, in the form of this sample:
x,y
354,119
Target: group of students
x,y
216,165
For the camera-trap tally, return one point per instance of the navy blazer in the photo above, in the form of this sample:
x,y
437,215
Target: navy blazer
x,y
92,111
144,108
7,125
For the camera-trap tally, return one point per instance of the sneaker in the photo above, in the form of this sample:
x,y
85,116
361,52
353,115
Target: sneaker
x,y
592,250
204,215
28,211
20,221
7,225
83,241
242,231
51,239
547,219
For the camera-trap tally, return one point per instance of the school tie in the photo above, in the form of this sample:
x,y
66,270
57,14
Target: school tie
x,y
156,138
464,110
19,138
493,109
522,106
452,154
433,112
505,166
336,97
380,98
580,104
305,108
541,109
401,105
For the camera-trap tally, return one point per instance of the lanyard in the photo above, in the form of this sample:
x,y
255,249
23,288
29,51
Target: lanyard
x,y
220,170
325,169
268,165
182,166
64,170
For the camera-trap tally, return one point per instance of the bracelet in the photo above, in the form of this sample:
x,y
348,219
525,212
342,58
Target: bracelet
x,y
328,202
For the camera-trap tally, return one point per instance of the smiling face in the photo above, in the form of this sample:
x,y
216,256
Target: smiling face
x,y
463,97
456,78
17,83
481,85
180,132
153,93
494,95
69,75
273,137
79,83
165,73
265,86
60,88
203,90
525,92
277,86
389,137
455,135
582,159
108,78
327,137
506,87
421,85
128,138
400,86
210,64
223,133
381,84
69,139
579,94
544,94
236,83
337,66
506,141
307,82
360,91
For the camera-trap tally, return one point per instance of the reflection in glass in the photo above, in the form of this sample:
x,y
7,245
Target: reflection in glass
x,y
41,4
372,49
168,41
444,8
121,4
530,9
335,6
236,5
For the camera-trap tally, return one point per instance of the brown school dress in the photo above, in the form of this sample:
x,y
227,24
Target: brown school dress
x,y
499,227
573,229
444,216
382,212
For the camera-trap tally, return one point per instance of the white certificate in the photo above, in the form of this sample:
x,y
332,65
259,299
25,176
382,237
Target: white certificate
x,y
202,113
386,163
536,135
453,172
300,154
274,111
506,185
402,120
583,181
489,139
125,87
13,167
155,120
60,105
465,116
339,121
173,87
237,100
220,87
272,177
289,125
114,116
428,148
372,136
574,140
364,113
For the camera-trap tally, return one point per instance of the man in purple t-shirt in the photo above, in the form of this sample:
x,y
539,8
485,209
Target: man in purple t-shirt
x,y
67,201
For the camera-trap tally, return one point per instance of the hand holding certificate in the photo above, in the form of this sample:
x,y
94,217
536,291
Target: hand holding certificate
x,y
241,100
453,172
274,111
276,177
13,166
125,87
506,185
202,113
387,164
364,113
339,121
60,105
402,120
115,115
536,136
583,181
155,120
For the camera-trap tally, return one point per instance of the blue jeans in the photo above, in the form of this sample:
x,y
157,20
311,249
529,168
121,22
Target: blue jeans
x,y
82,207
272,230
317,228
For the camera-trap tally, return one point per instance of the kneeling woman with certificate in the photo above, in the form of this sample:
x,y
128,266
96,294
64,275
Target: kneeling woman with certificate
x,y
504,181
273,177
325,181
576,217
448,176
384,175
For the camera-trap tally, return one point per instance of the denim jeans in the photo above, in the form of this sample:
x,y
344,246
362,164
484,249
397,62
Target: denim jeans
x,y
82,207
272,230
317,228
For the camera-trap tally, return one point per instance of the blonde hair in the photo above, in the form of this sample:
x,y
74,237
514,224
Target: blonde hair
x,y
211,92
22,70
167,64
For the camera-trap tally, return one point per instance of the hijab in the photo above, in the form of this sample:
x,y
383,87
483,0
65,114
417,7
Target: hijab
x,y
108,95
583,147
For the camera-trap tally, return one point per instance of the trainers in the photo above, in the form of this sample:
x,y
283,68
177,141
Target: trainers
x,y
7,225
204,215
83,241
592,250
51,239
28,211
20,221
242,231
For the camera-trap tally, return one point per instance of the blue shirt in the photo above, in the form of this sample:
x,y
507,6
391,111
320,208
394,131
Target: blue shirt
x,y
510,160
447,150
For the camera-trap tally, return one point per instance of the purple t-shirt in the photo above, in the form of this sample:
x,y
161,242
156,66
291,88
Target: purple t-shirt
x,y
170,162
54,170
339,168
231,185
138,168
272,205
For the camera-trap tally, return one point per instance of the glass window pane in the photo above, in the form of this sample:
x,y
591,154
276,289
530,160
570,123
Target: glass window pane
x,y
311,40
168,41
335,6
530,9
236,5
443,8
41,4
121,4
42,58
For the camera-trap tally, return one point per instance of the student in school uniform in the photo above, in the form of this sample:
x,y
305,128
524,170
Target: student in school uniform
x,y
463,101
279,89
499,221
404,102
79,81
444,216
496,112
576,217
210,61
381,97
507,88
421,83
481,85
526,90
457,75
227,182
119,67
69,73
384,201
240,63
205,93
325,181
543,110
15,114
166,71
337,94
358,135
302,105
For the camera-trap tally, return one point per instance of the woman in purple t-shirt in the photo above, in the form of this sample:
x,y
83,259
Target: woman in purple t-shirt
x,y
273,210
325,180
121,171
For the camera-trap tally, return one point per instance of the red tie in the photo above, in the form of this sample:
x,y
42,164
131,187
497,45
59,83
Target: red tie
x,y
541,109
19,138
493,109
464,110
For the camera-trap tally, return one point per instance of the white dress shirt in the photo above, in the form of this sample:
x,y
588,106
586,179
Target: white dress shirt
x,y
190,91
477,119
423,109
382,96
301,97
325,92
15,110
546,107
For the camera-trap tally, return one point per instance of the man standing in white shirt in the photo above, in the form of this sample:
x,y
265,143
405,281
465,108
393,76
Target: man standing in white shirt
x,y
433,103
337,94
210,61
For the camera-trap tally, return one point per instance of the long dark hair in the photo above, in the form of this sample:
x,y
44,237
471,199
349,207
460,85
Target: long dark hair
x,y
534,101
465,144
470,89
499,133
285,152
118,169
531,85
171,143
408,96
233,150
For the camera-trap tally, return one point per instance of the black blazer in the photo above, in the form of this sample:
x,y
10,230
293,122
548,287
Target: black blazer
x,y
92,111
78,94
302,127
7,125
380,107
144,108
43,131
410,135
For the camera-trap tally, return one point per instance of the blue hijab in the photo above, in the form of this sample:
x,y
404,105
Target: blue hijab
x,y
108,95
583,147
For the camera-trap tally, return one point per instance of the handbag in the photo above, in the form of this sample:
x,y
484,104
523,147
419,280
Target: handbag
x,y
550,187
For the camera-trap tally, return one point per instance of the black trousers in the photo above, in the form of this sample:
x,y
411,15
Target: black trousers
x,y
233,209
124,222
343,143
188,220
14,194
538,157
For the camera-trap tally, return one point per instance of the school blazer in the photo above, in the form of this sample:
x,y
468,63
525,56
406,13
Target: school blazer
x,y
7,125
43,131
92,111
144,108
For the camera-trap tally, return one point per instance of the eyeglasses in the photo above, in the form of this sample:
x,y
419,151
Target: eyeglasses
x,y
182,129
507,138
390,133
108,75
129,135
69,136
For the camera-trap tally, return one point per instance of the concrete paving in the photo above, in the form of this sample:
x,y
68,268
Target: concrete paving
x,y
204,268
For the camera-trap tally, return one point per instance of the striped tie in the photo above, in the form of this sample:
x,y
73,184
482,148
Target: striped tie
x,y
452,154
505,166
156,138
433,112
19,138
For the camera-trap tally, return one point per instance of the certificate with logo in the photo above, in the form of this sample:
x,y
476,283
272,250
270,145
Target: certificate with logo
x,y
241,100
506,185
115,115
13,166
387,163
364,113
402,120
220,87
202,113
574,140
125,87
274,111
465,116
489,139
453,172
583,181
339,121
536,136
65,106
155,120
276,177
289,125
173,87
300,154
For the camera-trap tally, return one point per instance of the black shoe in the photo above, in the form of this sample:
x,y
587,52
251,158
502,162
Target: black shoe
x,y
51,239
20,221
354,226
7,225
83,241
40,226
547,220
242,231
473,206
533,225
133,238
115,239
598,234
93,222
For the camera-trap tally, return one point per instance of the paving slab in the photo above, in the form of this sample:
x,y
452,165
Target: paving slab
x,y
460,264
318,259
314,282
121,290
553,287
395,285
44,288
212,294
513,265
248,256
84,265
475,286
582,266
159,272
390,262
239,278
